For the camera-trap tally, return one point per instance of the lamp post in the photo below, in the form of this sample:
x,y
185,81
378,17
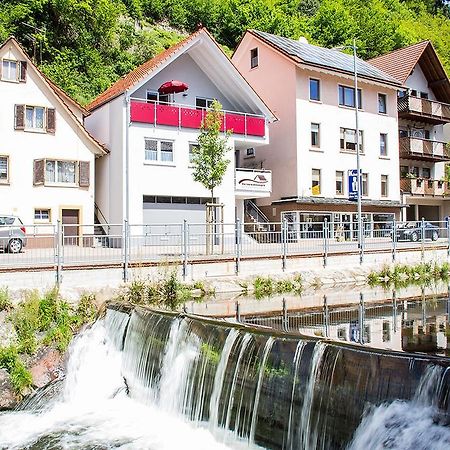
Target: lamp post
x,y
358,158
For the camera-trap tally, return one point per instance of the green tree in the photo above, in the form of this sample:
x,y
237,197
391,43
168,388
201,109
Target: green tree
x,y
209,157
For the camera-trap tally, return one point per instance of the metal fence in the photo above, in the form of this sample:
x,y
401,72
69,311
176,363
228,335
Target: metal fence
x,y
73,246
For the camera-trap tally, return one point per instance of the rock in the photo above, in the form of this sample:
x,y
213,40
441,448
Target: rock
x,y
47,365
8,399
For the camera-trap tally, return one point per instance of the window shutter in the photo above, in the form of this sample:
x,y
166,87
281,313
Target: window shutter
x,y
84,175
23,71
50,120
19,117
38,171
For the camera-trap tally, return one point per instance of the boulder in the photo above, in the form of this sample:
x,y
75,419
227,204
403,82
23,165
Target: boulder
x,y
46,366
8,399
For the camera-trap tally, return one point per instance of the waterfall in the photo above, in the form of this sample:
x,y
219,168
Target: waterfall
x,y
139,379
410,425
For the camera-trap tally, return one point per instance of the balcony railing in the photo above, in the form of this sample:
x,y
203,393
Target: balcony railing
x,y
253,183
423,149
424,187
428,110
182,116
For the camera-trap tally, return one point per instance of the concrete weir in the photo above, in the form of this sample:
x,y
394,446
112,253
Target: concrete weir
x,y
271,389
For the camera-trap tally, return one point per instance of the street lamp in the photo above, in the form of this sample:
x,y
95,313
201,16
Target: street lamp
x,y
358,161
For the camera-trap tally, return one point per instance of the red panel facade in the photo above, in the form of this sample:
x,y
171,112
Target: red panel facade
x,y
167,115
235,123
256,126
191,118
142,112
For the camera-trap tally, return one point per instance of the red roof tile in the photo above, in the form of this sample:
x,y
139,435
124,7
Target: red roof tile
x,y
136,75
400,63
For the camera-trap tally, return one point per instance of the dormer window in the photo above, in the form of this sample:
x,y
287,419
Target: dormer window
x,y
253,58
12,70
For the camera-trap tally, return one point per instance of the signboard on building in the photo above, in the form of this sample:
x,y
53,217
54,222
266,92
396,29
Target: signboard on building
x,y
353,184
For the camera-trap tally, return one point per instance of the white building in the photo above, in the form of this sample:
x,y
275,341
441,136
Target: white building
x,y
147,175
312,147
46,156
423,109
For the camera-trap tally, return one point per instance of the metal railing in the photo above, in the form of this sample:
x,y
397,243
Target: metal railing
x,y
63,247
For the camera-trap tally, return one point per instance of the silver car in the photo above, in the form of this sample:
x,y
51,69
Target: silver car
x,y
12,234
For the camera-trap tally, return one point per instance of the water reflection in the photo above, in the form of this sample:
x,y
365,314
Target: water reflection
x,y
411,325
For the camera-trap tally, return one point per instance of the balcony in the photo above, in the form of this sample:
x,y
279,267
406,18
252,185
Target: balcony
x,y
252,183
430,111
423,149
182,116
424,187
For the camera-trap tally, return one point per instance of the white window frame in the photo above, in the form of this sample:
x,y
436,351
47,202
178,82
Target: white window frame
x,y
386,183
56,182
10,61
320,89
43,219
349,150
208,102
382,94
34,127
342,192
159,152
5,180
190,154
357,99
158,97
319,183
366,182
386,149
315,146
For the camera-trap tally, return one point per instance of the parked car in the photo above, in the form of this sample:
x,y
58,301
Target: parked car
x,y
412,231
12,234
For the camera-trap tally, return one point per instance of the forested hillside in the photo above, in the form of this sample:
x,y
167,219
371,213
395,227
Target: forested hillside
x,y
84,45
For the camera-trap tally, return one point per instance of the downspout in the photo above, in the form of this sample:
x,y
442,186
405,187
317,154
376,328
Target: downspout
x,y
127,157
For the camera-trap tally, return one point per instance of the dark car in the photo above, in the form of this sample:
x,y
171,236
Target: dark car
x,y
412,231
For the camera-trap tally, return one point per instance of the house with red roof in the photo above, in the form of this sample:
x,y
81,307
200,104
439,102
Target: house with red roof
x,y
424,112
47,157
150,121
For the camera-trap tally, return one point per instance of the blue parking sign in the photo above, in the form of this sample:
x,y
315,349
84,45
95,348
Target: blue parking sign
x,y
353,184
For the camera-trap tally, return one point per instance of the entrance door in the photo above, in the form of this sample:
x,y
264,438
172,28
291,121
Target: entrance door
x,y
70,222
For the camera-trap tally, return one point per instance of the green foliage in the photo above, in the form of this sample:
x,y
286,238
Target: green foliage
x,y
8,357
5,301
400,275
20,377
208,158
84,46
266,286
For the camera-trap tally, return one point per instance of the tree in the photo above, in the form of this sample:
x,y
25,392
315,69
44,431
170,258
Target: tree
x,y
209,159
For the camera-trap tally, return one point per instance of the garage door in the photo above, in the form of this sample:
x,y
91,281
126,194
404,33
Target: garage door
x,y
167,213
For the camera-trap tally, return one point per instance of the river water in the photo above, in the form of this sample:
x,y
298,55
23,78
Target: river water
x,y
118,395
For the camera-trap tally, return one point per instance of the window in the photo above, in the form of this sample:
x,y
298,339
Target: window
x,y
339,182
314,89
386,331
315,135
315,185
156,97
4,169
254,58
60,171
365,184
347,96
9,70
424,95
191,151
426,172
404,170
203,102
348,140
415,171
42,215
156,150
382,104
34,117
384,185
383,144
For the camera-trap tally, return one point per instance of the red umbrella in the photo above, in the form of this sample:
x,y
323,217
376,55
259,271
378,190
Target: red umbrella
x,y
173,87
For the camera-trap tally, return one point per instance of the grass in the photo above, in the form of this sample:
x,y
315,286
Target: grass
x,y
166,292
5,301
266,286
401,275
42,320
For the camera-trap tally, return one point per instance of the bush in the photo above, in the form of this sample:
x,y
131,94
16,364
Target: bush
x,y
20,377
8,357
5,302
